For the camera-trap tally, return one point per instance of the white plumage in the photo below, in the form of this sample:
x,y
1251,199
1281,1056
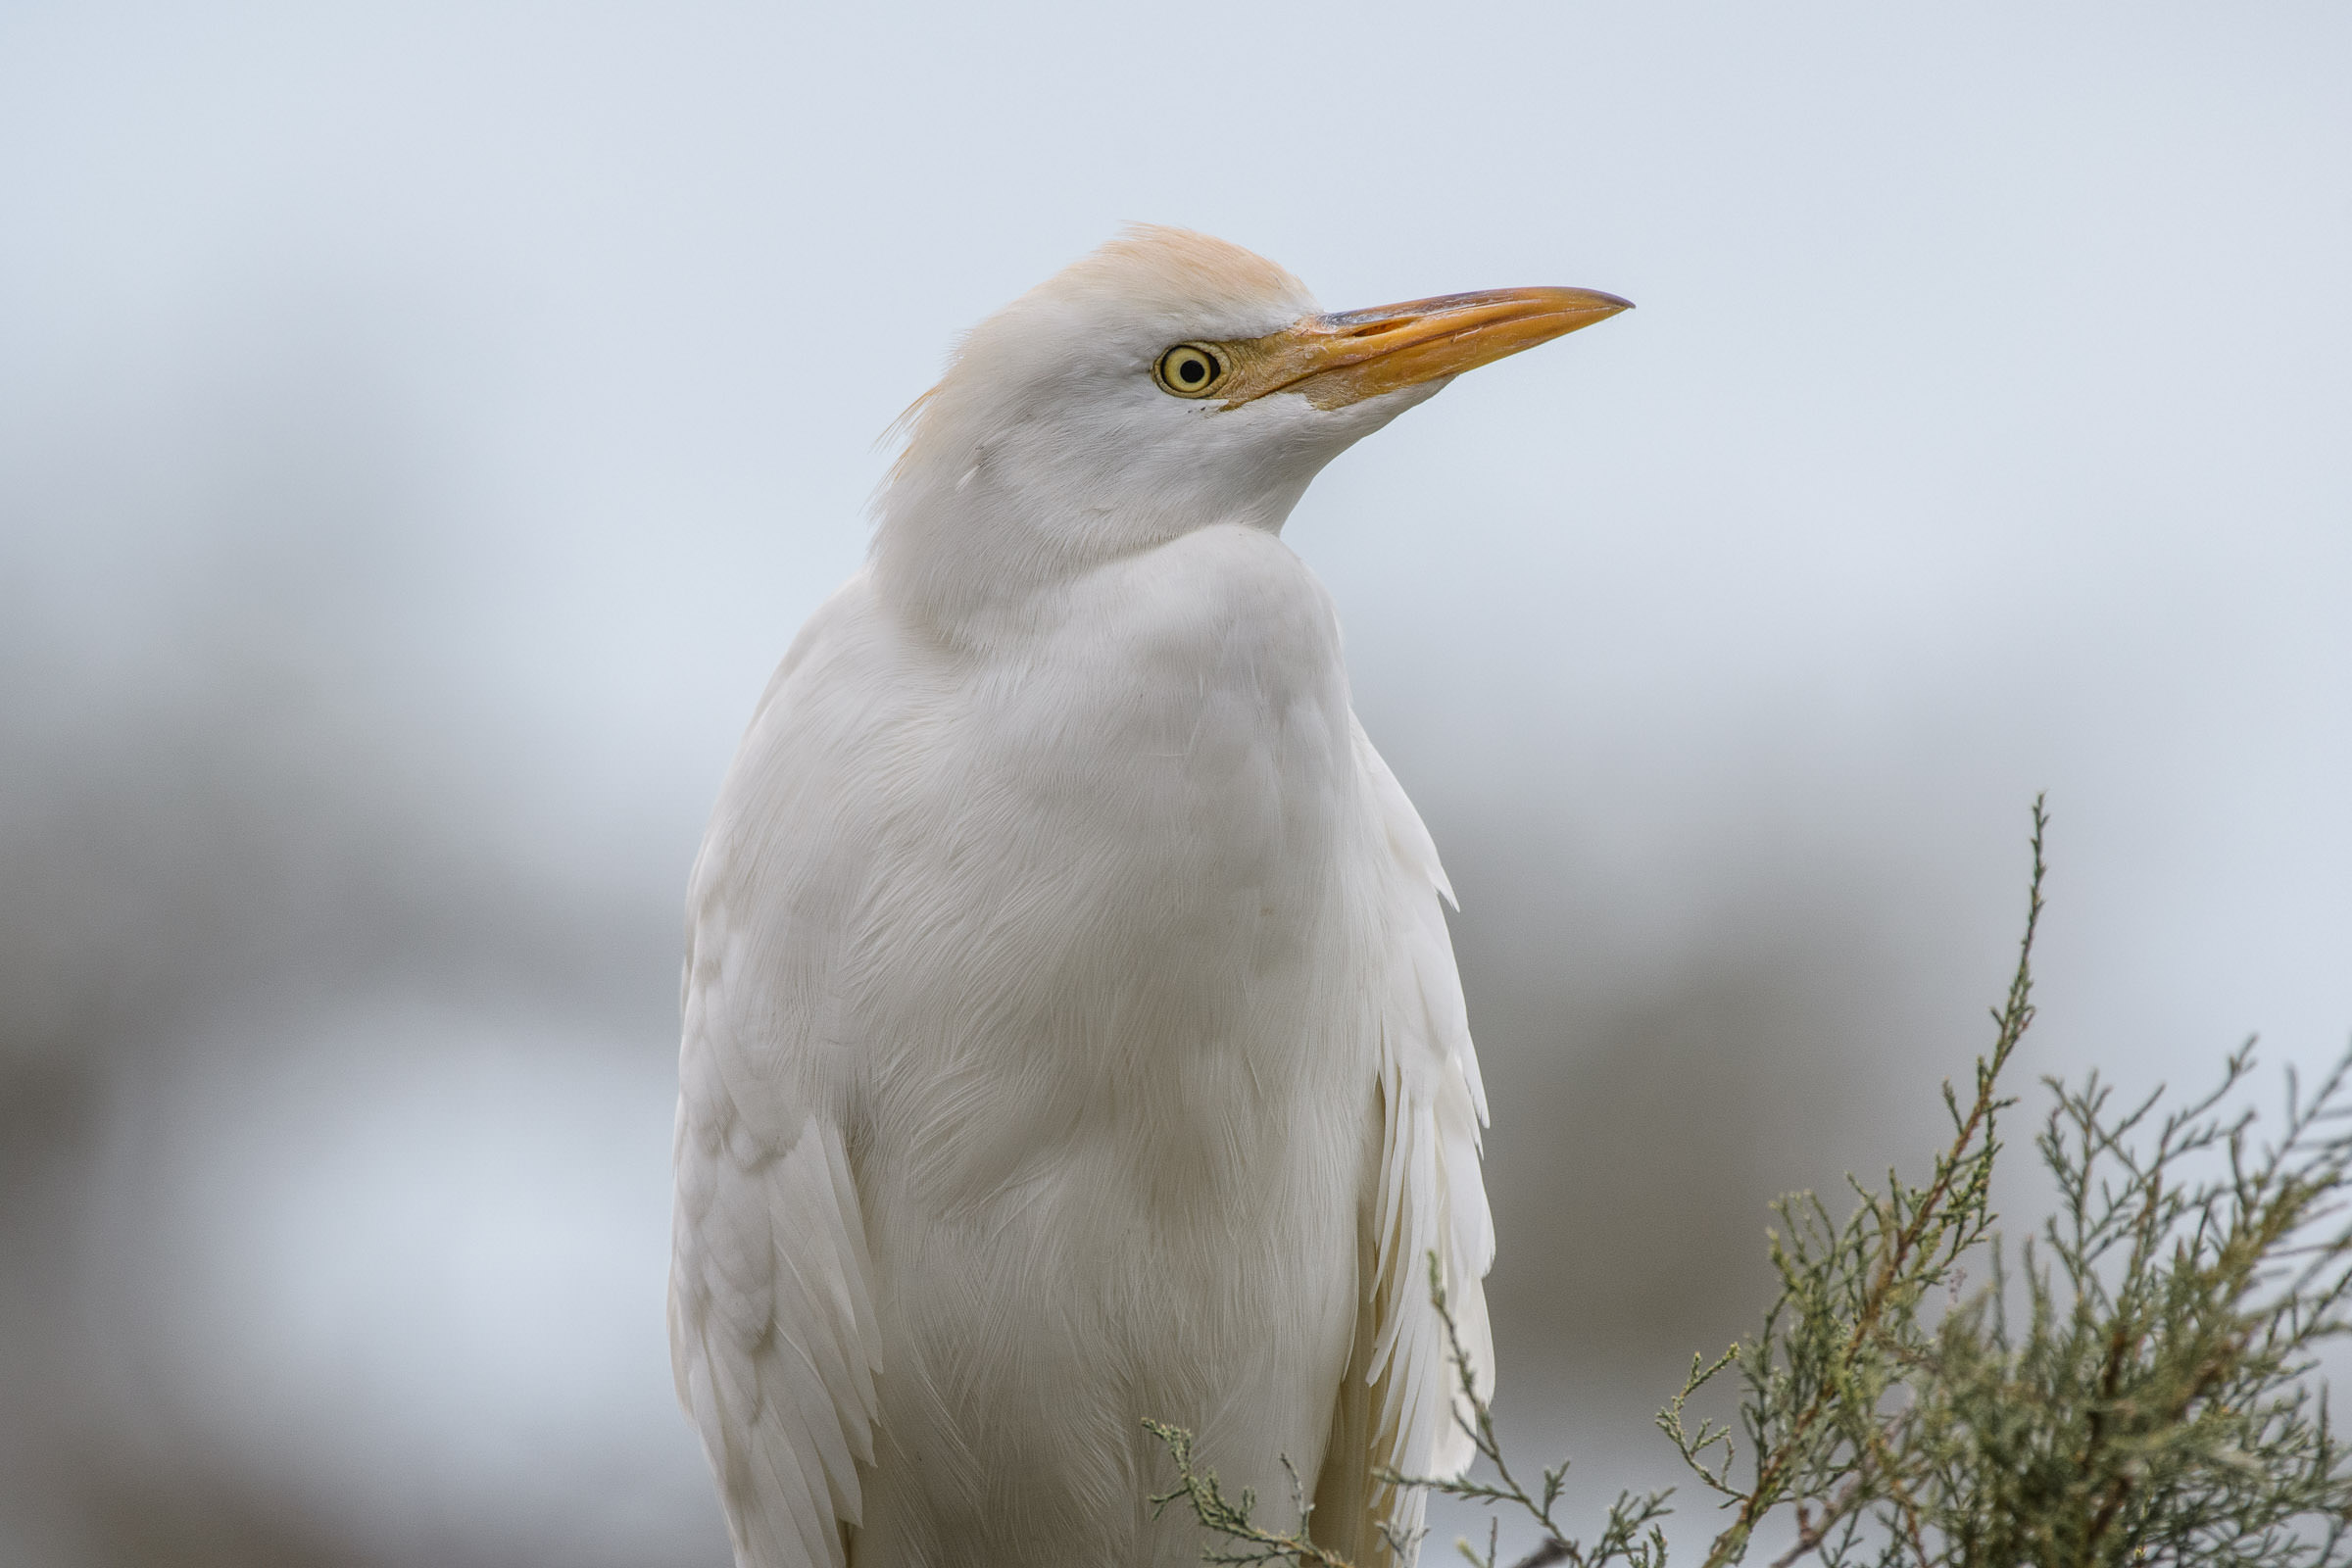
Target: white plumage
x,y
1072,1034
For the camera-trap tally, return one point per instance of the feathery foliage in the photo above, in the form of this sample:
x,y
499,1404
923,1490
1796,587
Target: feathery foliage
x,y
2136,1388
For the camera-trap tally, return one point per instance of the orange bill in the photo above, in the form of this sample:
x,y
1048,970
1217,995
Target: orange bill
x,y
1352,355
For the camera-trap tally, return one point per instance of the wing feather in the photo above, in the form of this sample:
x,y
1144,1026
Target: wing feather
x,y
772,1333
771,1312
1428,1200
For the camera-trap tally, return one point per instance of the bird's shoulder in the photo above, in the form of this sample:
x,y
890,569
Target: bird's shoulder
x,y
843,652
803,757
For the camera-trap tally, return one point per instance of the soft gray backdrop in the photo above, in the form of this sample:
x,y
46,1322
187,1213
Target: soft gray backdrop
x,y
421,427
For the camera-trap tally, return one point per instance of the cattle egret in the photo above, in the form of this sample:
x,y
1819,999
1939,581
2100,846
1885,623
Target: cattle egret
x,y
1072,1034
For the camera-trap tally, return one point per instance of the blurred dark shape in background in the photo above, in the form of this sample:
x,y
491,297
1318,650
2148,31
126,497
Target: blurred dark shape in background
x,y
304,1077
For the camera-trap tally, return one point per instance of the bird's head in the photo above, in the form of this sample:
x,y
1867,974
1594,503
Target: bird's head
x,y
1168,382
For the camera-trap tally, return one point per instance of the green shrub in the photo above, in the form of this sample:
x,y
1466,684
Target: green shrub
x,y
2134,1388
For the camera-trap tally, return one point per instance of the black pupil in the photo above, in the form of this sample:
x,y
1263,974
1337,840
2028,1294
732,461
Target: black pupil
x,y
1192,369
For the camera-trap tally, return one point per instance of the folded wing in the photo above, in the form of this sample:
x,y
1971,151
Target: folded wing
x,y
771,1318
1402,1411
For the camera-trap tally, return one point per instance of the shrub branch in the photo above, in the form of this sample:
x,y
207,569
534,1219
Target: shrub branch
x,y
2136,1389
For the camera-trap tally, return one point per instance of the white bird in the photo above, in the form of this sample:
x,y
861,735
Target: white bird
x,y
1072,1035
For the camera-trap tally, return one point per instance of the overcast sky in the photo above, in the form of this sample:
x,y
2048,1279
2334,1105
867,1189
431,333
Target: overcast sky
x,y
421,429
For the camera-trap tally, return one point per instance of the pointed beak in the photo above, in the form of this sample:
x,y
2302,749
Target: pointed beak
x,y
1352,355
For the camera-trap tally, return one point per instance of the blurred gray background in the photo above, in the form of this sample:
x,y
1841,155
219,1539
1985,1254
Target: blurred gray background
x,y
423,428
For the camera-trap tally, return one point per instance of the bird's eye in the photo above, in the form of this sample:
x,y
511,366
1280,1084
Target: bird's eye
x,y
1189,370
